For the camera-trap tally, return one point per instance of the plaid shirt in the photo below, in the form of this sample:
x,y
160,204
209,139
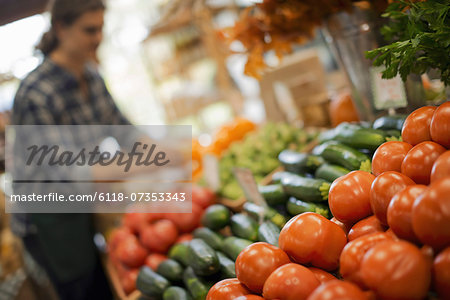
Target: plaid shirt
x,y
51,95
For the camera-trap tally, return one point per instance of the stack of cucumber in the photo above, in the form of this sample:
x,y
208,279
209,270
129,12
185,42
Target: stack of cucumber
x,y
304,184
193,267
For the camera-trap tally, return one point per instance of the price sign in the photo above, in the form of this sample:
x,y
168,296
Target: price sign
x,y
248,184
387,93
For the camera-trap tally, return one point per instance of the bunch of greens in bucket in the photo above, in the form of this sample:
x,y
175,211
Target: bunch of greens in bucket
x,y
420,31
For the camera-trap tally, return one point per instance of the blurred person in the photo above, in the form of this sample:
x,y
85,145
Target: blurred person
x,y
66,89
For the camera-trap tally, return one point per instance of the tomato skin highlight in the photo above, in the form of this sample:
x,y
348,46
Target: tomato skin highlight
x,y
338,290
349,196
419,161
227,289
396,270
321,275
416,128
431,215
256,262
290,282
384,187
441,167
389,157
365,226
440,125
310,238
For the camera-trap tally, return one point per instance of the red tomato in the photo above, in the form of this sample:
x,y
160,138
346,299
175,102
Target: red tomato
x,y
187,222
321,275
128,280
290,282
391,234
117,236
159,236
256,262
338,290
349,196
365,226
249,297
184,238
441,167
353,253
384,187
154,259
344,226
311,238
441,274
419,161
131,253
134,221
440,125
227,289
202,196
431,215
416,128
396,270
400,210
389,157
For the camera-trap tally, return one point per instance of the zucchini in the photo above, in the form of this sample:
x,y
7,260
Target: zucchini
x,y
296,206
227,267
269,233
308,189
298,163
278,176
171,270
390,122
179,253
151,284
194,284
244,227
273,194
358,137
342,155
216,217
269,213
176,293
213,239
330,172
232,246
202,258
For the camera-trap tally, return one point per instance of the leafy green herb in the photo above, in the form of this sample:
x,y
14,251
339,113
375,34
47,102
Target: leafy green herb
x,y
421,31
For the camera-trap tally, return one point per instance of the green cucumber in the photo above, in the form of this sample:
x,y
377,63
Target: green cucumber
x,y
269,233
216,217
171,270
269,213
194,284
340,154
244,226
296,206
273,194
308,189
213,239
390,122
293,161
330,172
227,267
278,176
358,137
150,283
232,246
176,293
202,258
179,253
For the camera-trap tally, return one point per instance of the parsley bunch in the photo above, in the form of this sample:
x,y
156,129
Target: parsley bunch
x,y
421,31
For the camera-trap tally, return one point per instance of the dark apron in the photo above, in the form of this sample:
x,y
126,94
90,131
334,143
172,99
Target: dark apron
x,y
67,241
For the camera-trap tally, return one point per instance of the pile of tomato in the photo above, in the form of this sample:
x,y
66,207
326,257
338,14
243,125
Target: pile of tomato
x,y
389,238
145,238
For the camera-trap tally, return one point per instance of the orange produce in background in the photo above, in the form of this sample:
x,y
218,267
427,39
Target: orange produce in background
x,y
342,110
